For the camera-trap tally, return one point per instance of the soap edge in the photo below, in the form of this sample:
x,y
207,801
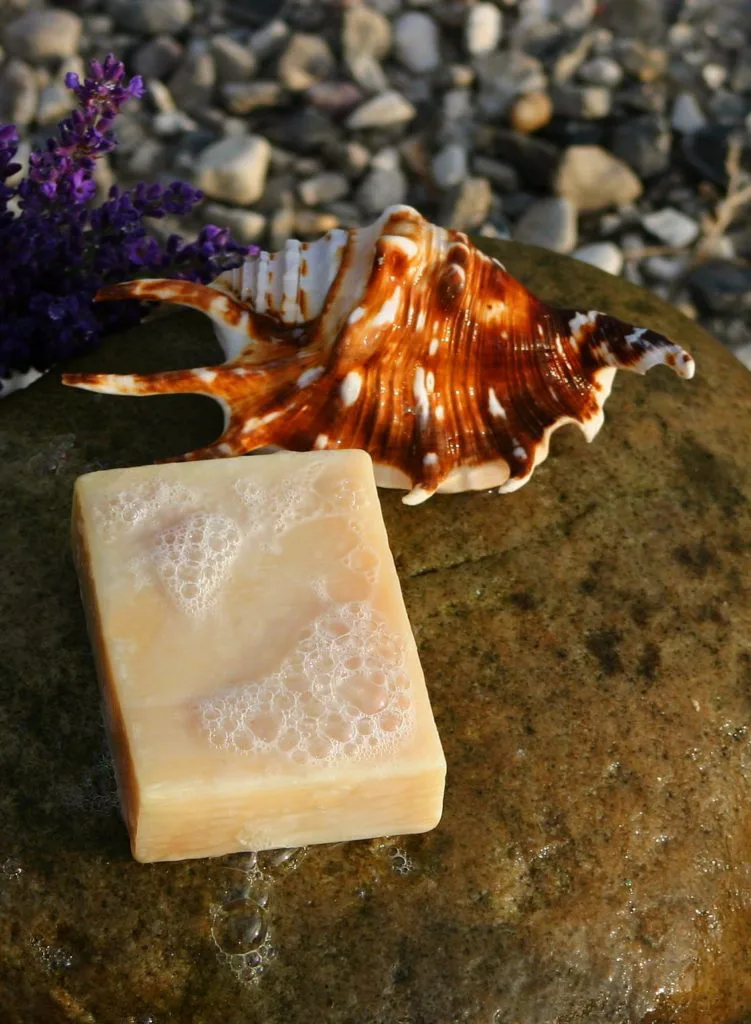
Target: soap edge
x,y
392,570
113,718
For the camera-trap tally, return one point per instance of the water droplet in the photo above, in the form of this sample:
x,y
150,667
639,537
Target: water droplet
x,y
281,861
239,927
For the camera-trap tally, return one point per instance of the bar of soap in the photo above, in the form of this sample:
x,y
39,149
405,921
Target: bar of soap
x,y
261,682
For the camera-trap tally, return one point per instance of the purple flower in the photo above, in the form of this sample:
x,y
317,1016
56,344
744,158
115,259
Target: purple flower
x,y
57,249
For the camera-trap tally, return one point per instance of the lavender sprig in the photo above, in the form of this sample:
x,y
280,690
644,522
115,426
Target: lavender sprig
x,y
57,249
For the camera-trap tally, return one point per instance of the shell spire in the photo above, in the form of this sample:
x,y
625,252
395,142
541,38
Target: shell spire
x,y
404,339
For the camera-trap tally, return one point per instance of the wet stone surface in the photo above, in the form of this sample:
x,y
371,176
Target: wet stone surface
x,y
586,646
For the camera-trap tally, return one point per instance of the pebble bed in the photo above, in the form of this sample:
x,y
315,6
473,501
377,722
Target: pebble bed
x,y
617,131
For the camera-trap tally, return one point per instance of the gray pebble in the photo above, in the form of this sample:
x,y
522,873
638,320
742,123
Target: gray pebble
x,y
671,227
381,188
365,32
334,97
449,166
306,60
148,159
468,206
719,286
347,213
97,26
460,76
151,17
594,179
18,93
665,269
550,223
570,60
389,108
681,35
314,223
415,88
483,29
535,160
234,62
574,14
157,58
131,131
605,255
55,102
741,80
728,108
172,123
230,125
501,175
687,116
281,227
714,75
502,76
590,102
743,352
368,73
416,42
42,35
306,166
160,96
243,97
270,39
387,159
387,7
22,159
601,71
647,63
194,80
353,158
457,105
246,226
234,169
326,187
644,143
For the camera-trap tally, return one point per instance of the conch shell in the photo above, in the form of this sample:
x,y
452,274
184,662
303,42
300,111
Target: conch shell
x,y
406,340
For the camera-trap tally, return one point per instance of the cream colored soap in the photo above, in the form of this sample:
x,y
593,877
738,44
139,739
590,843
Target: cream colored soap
x,y
261,682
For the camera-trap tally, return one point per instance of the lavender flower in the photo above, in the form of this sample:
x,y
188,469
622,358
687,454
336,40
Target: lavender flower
x,y
57,250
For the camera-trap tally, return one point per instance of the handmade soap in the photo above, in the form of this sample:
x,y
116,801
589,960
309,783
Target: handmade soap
x,y
261,683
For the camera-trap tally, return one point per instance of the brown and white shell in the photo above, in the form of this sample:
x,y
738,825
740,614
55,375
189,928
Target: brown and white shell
x,y
406,340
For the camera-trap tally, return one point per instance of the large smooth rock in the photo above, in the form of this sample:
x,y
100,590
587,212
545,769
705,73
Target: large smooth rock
x,y
586,644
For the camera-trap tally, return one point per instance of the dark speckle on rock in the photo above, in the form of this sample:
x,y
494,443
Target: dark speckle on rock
x,y
649,663
603,644
699,558
711,480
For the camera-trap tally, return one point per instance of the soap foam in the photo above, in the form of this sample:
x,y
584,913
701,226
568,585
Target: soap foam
x,y
194,557
295,500
343,694
126,510
278,508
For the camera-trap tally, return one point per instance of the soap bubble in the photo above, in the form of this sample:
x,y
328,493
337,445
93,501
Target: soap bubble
x,y
239,927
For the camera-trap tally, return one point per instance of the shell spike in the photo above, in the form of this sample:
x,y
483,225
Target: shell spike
x,y
418,495
169,382
614,343
215,303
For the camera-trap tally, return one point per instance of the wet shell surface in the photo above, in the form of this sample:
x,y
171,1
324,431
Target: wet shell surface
x,y
406,340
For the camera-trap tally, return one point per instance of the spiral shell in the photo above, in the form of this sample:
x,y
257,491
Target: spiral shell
x,y
406,340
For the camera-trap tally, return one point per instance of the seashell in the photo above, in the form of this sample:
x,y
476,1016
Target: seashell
x,y
406,340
